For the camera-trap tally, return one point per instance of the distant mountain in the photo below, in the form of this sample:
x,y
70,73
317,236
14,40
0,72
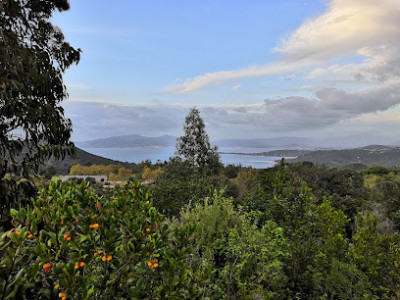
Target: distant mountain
x,y
136,140
279,142
300,142
129,141
277,153
373,155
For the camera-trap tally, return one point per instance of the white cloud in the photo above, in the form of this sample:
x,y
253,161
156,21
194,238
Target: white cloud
x,y
390,118
291,115
328,108
368,28
343,29
97,119
211,79
382,65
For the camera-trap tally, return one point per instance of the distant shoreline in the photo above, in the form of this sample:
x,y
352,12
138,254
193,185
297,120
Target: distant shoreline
x,y
275,153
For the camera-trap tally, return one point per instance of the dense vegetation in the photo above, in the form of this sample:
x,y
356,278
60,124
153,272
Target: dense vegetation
x,y
239,234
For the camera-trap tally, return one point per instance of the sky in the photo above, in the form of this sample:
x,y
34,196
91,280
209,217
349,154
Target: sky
x,y
304,68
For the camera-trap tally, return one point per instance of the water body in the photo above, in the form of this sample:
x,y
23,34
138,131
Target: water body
x,y
139,154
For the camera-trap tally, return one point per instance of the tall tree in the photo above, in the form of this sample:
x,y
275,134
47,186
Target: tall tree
x,y
33,58
195,146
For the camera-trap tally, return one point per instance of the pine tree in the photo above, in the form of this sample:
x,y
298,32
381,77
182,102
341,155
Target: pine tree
x,y
195,146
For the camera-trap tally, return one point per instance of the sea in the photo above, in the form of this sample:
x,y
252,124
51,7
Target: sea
x,y
154,154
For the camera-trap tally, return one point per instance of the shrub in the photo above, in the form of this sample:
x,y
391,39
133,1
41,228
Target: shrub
x,y
72,243
378,170
150,176
172,195
377,255
246,259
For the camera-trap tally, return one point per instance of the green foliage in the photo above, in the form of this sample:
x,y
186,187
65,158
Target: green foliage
x,y
14,192
344,186
176,170
378,170
195,146
377,255
70,240
171,196
231,171
269,191
246,260
317,247
246,181
275,240
386,193
33,58
150,176
370,180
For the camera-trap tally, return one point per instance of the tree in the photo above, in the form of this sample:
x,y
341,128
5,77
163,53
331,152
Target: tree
x,y
86,246
150,176
33,58
195,146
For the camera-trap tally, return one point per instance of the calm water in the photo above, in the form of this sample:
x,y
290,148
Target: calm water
x,y
139,154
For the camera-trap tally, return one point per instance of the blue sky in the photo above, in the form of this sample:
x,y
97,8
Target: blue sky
x,y
255,68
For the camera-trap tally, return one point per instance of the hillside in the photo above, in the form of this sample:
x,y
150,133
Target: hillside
x,y
373,155
283,142
276,153
83,158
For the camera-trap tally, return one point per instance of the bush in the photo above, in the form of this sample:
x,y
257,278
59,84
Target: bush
x,y
150,176
378,170
71,242
246,259
171,195
377,255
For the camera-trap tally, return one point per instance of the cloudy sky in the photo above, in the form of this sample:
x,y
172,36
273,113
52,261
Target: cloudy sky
x,y
309,68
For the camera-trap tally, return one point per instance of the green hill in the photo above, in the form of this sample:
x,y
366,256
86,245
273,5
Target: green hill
x,y
374,155
81,157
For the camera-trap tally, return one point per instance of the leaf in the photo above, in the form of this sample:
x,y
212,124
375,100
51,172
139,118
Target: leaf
x,y
17,276
90,292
